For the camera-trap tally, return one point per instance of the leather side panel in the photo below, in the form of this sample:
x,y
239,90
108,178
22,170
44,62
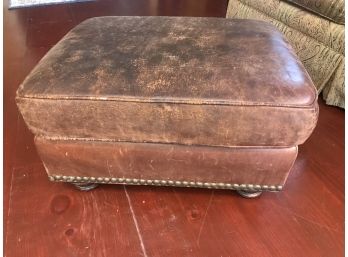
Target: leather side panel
x,y
242,165
195,124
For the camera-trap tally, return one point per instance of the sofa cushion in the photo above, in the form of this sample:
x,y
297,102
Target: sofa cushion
x,y
318,42
326,33
196,81
331,9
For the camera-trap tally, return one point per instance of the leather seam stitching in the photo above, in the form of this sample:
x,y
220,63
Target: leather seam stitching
x,y
57,139
159,101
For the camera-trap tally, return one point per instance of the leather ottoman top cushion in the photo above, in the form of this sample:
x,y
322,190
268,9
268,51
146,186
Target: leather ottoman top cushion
x,y
330,9
205,81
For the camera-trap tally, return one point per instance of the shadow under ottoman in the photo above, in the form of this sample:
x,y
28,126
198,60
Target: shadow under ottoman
x,y
172,101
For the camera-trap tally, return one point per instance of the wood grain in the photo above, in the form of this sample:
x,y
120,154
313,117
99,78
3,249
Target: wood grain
x,y
53,219
56,220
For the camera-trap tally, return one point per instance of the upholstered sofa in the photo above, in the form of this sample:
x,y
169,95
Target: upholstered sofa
x,y
315,29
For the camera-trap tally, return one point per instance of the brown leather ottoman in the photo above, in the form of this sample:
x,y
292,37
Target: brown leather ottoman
x,y
170,101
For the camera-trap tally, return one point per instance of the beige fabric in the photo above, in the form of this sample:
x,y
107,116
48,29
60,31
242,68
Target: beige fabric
x,y
330,9
317,41
334,90
324,31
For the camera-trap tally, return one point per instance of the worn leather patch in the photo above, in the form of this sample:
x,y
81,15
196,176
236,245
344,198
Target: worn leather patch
x,y
239,62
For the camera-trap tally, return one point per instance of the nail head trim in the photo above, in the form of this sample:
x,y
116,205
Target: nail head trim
x,y
135,181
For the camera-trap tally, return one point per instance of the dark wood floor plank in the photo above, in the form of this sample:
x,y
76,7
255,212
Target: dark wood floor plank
x,y
39,34
49,219
207,8
220,223
50,14
14,50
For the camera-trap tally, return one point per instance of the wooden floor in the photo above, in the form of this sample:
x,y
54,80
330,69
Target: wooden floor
x,y
53,219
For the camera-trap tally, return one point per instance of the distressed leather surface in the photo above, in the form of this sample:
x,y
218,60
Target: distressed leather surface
x,y
197,124
195,81
177,59
241,165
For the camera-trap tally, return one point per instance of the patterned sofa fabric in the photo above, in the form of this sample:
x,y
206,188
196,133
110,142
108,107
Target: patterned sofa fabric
x,y
318,41
322,30
330,9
